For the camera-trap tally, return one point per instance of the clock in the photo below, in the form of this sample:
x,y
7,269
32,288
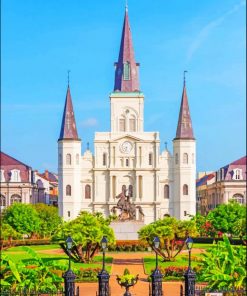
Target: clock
x,y
126,147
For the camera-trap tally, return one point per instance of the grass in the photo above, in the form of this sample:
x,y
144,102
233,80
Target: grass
x,y
181,260
18,254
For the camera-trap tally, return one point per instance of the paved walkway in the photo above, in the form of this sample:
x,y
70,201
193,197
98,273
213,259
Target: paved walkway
x,y
134,262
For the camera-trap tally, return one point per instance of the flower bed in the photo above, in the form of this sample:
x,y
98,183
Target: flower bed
x,y
87,274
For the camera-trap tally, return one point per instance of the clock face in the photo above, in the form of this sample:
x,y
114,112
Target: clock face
x,y
126,147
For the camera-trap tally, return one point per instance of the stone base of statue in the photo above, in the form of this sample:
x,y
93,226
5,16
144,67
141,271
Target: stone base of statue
x,y
126,230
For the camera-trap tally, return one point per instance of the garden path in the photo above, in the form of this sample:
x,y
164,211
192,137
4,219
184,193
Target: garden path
x,y
134,262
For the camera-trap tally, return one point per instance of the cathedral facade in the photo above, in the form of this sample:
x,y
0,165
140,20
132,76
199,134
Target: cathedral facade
x,y
127,158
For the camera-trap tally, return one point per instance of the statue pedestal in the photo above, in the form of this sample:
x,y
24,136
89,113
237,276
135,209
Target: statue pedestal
x,y
126,230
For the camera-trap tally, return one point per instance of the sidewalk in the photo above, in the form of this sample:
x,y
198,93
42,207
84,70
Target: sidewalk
x,y
134,262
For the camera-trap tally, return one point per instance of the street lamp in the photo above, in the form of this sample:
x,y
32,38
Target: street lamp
x,y
190,276
156,275
103,276
69,276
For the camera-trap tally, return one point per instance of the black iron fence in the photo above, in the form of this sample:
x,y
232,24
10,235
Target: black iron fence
x,y
5,292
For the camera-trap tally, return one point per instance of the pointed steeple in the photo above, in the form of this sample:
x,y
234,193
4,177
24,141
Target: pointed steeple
x,y
126,73
184,128
68,127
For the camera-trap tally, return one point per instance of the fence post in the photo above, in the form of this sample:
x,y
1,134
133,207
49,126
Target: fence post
x,y
190,279
69,283
156,277
103,277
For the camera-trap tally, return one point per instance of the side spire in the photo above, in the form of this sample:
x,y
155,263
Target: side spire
x,y
68,127
126,72
184,127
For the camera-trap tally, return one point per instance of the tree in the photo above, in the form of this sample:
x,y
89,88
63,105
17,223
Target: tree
x,y
239,228
49,219
23,218
86,230
8,232
172,234
224,216
224,266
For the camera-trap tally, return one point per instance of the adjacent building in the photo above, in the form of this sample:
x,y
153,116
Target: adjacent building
x,y
127,157
228,183
19,183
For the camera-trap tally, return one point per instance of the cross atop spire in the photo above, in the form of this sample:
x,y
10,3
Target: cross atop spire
x,y
184,128
126,72
68,127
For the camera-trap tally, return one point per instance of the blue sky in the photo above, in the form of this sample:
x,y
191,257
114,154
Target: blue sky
x,y
41,40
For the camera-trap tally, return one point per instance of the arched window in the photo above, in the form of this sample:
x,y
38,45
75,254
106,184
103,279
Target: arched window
x,y
122,124
185,158
130,191
166,191
127,162
68,190
15,176
150,158
132,123
2,200
87,191
176,158
185,189
124,189
104,158
126,71
77,158
15,198
238,198
68,159
238,174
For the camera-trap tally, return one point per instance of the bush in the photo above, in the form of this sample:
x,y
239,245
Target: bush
x,y
87,274
128,246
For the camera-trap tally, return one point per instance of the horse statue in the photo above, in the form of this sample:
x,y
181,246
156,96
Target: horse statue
x,y
125,209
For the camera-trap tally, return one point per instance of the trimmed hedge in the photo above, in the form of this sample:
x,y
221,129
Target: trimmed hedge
x,y
128,246
25,242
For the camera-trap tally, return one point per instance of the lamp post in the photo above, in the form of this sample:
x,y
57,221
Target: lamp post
x,y
189,276
103,276
156,275
69,276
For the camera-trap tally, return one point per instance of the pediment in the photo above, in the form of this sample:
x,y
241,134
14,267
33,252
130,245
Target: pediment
x,y
127,137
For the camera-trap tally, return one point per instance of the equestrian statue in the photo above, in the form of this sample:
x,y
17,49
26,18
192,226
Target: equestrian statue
x,y
125,209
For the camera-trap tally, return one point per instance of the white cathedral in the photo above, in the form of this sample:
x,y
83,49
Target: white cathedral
x,y
127,157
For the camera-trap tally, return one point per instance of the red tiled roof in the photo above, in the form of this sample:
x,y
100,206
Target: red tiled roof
x,y
240,161
6,159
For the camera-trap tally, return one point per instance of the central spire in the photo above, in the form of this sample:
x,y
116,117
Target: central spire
x,y
126,73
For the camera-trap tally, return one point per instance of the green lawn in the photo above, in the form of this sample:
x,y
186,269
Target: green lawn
x,y
18,254
181,260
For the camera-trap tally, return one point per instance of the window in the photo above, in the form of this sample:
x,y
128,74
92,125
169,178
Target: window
x,y
77,158
140,186
124,189
237,174
2,179
185,158
176,158
150,159
126,71
87,191
2,200
127,162
15,198
166,191
185,189
104,158
185,213
68,213
122,124
68,190
130,191
132,124
15,176
68,159
238,198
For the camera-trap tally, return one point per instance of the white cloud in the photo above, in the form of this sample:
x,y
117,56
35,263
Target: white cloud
x,y
89,122
206,30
